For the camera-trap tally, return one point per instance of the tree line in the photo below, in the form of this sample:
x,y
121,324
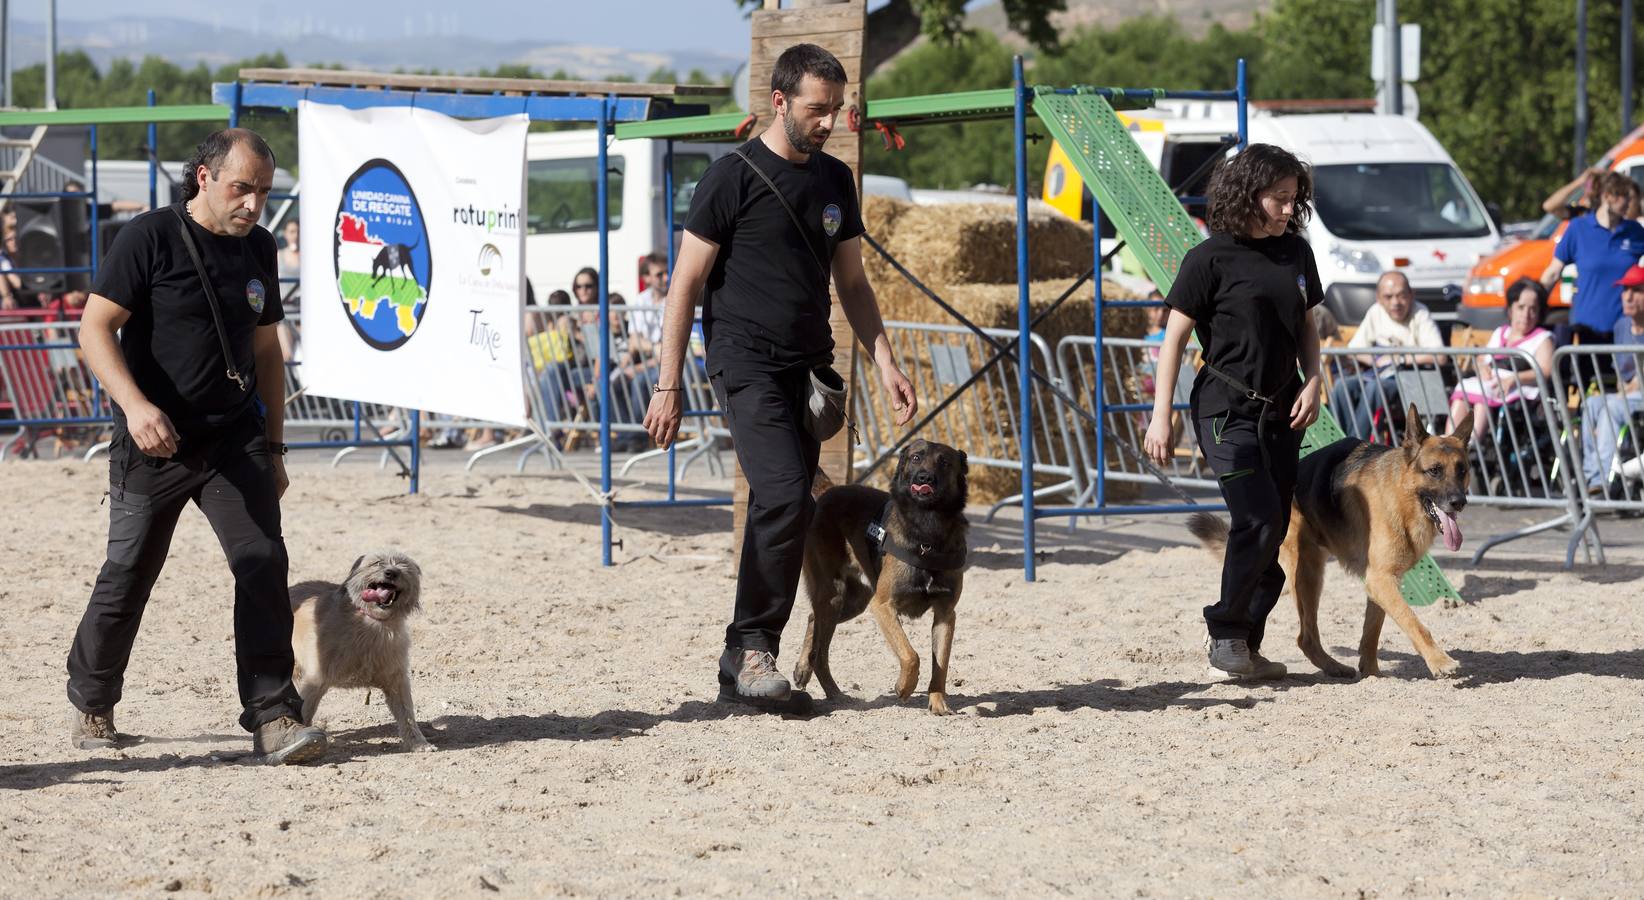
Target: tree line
x,y
1497,84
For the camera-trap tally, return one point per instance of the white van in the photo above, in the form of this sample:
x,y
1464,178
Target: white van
x,y
1386,195
562,228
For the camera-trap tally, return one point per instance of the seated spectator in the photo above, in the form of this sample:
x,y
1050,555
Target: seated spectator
x,y
290,263
647,323
11,284
1396,320
558,365
1605,414
585,292
1500,379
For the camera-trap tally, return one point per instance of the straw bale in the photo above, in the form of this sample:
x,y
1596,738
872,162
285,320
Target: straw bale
x,y
973,243
984,422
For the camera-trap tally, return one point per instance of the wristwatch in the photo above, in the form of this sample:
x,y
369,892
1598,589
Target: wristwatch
x,y
278,449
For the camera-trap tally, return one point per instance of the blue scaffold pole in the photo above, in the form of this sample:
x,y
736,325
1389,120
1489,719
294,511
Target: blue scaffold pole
x,y
95,225
1099,406
416,450
668,201
603,211
1244,107
153,159
1024,346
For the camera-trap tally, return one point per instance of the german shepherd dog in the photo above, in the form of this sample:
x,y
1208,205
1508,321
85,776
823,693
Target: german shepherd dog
x,y
1376,509
919,566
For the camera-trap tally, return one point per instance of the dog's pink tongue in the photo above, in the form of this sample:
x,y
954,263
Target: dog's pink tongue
x,y
378,595
922,489
1450,528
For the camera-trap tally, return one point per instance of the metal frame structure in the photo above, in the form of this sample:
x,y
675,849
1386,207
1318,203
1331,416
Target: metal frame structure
x,y
634,117
1014,102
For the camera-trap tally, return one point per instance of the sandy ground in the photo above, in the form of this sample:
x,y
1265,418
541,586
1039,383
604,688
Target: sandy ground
x,y
580,752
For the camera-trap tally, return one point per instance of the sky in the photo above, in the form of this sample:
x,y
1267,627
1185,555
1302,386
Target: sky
x,y
629,24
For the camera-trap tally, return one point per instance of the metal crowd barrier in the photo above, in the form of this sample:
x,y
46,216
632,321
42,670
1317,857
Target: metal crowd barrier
x,y
1523,453
1127,387
983,419
47,386
1605,416
561,366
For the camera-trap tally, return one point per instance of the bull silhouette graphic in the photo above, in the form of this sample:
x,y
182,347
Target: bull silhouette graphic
x,y
394,258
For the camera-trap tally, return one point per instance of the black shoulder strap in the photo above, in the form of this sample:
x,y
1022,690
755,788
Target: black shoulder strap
x,y
211,298
821,263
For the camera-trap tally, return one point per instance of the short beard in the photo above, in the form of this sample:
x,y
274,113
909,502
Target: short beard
x,y
798,140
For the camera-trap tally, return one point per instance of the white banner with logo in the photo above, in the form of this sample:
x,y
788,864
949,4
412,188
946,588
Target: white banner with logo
x,y
413,259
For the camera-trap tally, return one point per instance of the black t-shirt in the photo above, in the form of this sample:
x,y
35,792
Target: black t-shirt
x,y
170,343
1249,298
767,295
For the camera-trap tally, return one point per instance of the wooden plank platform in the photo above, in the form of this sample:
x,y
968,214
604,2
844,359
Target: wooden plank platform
x,y
472,85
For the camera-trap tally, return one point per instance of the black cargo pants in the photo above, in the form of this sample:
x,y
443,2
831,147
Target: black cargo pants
x,y
229,474
1258,487
765,413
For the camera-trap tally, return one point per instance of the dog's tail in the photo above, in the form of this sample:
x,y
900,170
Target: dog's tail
x,y
1210,530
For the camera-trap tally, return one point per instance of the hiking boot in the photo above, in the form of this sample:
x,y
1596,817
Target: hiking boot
x,y
751,677
93,731
286,741
1265,669
1231,655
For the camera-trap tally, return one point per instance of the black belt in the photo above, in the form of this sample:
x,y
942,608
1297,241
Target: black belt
x,y
1250,393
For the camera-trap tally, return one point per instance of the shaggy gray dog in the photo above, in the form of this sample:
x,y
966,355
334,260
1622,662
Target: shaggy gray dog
x,y
355,634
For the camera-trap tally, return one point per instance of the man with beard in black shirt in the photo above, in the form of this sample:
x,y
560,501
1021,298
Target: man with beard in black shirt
x,y
766,270
187,349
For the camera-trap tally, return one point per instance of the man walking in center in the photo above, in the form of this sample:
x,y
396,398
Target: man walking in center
x,y
765,316
181,331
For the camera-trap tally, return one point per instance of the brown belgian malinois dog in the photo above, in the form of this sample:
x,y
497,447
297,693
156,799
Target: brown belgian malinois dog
x,y
1376,509
897,554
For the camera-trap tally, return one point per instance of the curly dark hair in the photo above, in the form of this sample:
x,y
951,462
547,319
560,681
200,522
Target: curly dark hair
x,y
1237,183
214,150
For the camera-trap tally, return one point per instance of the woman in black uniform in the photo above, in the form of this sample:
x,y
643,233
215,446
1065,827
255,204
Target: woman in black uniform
x,y
1246,292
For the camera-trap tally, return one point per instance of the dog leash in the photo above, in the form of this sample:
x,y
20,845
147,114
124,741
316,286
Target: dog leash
x,y
1250,393
211,299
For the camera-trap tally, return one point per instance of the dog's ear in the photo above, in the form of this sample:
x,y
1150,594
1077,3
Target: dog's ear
x,y
356,566
1414,430
1464,428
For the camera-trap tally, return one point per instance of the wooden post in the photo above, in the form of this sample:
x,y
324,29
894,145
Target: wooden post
x,y
837,27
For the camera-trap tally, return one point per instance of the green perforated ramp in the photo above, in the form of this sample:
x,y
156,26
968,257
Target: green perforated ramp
x,y
1423,585
1132,194
1146,213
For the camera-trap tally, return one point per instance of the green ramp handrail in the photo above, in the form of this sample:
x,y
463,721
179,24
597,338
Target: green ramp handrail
x,y
1145,212
1143,209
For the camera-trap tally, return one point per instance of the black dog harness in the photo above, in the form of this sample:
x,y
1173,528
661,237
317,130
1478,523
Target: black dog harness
x,y
922,556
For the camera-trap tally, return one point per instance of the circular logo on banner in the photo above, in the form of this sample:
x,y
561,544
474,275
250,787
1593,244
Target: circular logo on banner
x,y
384,266
831,217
